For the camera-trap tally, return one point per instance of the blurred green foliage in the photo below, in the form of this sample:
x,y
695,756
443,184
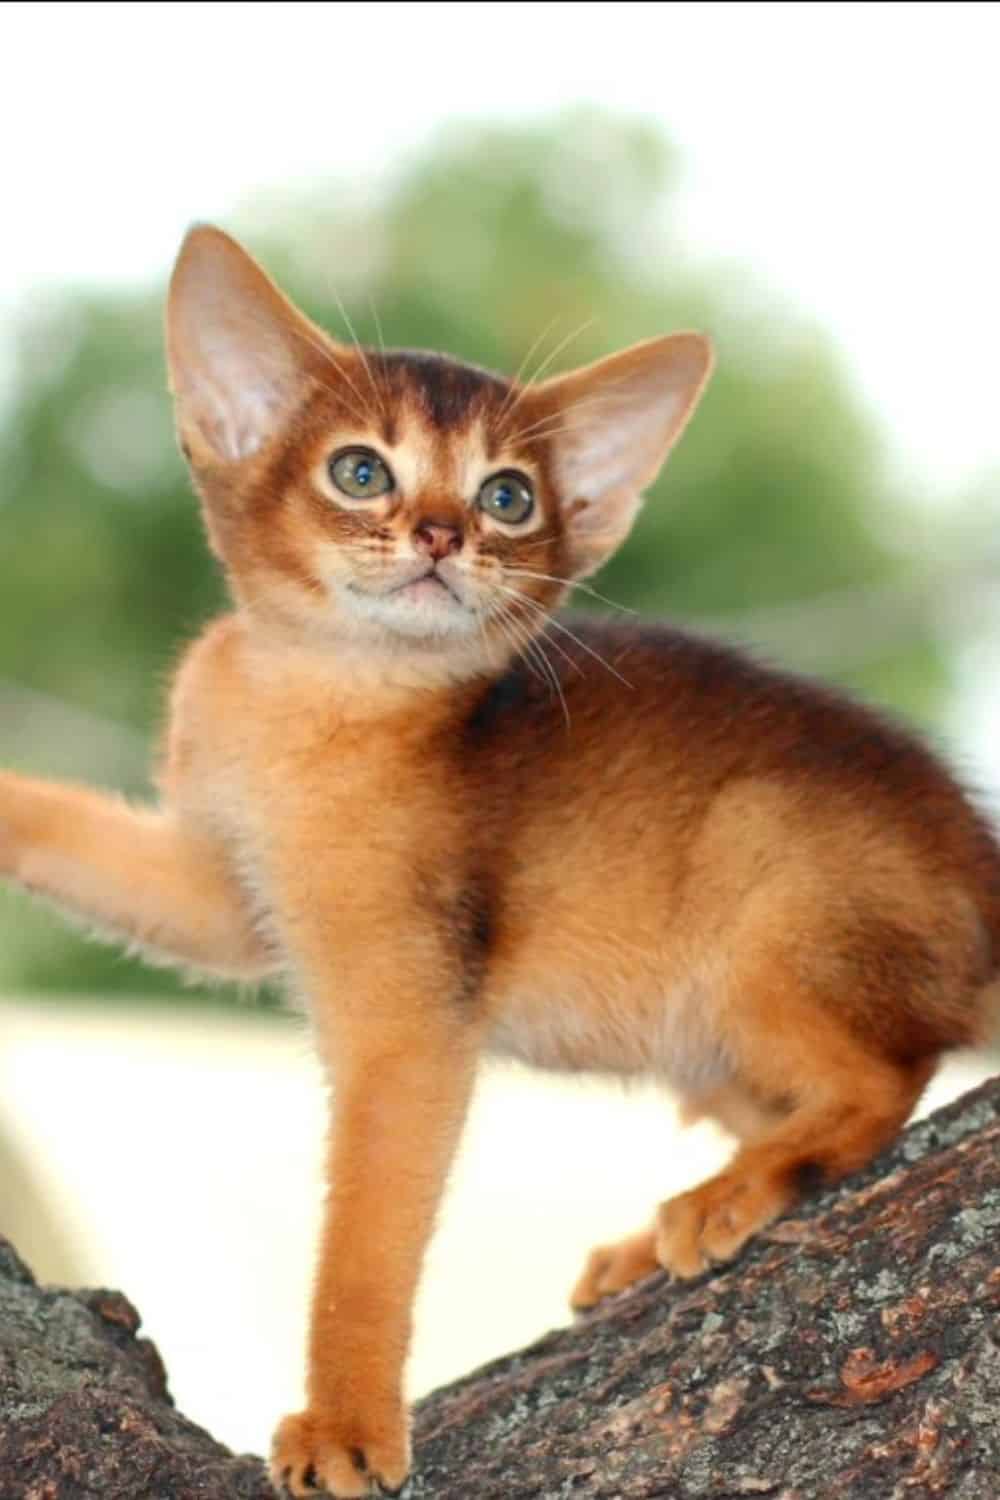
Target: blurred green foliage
x,y
561,239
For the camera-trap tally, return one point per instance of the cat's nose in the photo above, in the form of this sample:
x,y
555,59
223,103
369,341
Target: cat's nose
x,y
437,539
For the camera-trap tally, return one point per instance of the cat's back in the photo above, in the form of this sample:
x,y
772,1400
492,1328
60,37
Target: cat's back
x,y
652,742
697,709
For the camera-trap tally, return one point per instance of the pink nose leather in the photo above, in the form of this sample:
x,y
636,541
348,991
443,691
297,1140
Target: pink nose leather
x,y
436,539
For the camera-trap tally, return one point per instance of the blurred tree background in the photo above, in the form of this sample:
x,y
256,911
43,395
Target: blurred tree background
x,y
779,519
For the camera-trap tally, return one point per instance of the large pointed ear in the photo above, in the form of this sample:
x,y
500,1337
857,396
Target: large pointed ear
x,y
613,424
237,349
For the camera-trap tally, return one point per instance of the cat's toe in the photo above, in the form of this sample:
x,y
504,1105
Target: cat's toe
x,y
313,1453
713,1222
612,1268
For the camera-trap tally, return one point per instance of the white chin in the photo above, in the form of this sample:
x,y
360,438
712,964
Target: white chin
x,y
422,610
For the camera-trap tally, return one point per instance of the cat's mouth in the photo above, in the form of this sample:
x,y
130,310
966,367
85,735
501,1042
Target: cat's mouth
x,y
429,585
423,603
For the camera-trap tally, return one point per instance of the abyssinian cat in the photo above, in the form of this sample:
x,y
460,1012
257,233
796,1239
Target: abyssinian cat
x,y
637,852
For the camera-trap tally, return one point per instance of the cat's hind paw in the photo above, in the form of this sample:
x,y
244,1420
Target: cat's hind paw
x,y
611,1268
711,1223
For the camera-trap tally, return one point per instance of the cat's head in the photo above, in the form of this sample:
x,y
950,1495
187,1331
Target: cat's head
x,y
405,501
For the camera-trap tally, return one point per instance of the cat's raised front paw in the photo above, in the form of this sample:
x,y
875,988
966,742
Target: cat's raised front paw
x,y
17,821
8,846
313,1452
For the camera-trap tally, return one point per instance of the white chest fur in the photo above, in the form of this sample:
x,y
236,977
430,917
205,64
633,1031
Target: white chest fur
x,y
572,1024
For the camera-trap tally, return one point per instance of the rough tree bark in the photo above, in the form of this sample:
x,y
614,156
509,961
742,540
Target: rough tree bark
x,y
852,1351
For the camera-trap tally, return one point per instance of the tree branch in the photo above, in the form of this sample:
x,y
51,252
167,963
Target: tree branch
x,y
852,1351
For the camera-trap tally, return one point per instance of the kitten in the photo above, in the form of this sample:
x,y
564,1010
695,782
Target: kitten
x,y
456,825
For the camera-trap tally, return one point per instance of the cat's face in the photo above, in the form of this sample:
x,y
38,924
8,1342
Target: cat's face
x,y
405,502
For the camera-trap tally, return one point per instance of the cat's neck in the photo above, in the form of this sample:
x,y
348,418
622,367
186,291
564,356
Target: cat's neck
x,y
366,681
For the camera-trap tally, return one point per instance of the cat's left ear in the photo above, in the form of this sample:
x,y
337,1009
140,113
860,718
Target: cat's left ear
x,y
613,425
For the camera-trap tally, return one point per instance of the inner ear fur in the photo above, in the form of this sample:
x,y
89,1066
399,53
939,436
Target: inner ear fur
x,y
239,353
613,423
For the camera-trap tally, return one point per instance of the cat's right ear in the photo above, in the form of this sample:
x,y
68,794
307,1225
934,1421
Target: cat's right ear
x,y
237,350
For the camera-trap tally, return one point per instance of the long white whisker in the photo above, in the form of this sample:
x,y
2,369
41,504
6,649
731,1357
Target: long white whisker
x,y
569,583
507,629
539,540
536,645
478,613
523,647
558,625
543,634
531,643
523,599
527,642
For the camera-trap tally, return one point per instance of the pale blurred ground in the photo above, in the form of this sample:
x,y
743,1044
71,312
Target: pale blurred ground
x,y
175,1155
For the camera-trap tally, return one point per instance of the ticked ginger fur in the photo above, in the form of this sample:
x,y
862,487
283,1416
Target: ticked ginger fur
x,y
455,825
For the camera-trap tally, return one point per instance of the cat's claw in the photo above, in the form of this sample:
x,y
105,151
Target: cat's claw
x,y
316,1454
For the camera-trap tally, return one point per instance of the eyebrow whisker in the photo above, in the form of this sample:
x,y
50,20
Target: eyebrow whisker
x,y
363,356
515,385
365,414
563,343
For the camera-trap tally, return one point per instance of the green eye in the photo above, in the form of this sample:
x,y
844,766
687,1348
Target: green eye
x,y
360,473
507,497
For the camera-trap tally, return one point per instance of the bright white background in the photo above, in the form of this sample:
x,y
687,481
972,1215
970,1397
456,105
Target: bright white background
x,y
849,154
849,151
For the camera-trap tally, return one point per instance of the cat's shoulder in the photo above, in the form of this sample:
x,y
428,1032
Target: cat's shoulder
x,y
210,660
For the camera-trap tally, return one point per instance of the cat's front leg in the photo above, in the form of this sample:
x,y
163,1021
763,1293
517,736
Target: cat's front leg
x,y
137,875
402,1054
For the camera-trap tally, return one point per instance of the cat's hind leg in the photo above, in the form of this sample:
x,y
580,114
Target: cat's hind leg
x,y
847,1111
834,1131
740,1113
611,1268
